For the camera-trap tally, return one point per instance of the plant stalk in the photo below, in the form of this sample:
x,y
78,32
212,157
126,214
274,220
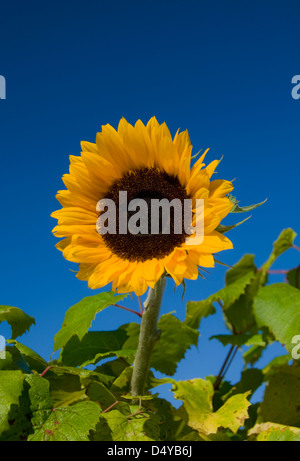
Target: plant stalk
x,y
148,337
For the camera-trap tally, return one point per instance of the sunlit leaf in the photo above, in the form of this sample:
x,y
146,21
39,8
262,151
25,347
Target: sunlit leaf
x,y
19,321
197,395
79,317
277,306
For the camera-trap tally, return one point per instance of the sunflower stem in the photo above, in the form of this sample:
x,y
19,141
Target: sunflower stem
x,y
148,337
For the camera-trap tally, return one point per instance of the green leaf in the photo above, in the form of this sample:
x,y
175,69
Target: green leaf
x,y
94,346
197,310
83,375
97,392
122,382
271,432
237,280
197,395
140,397
11,387
237,209
275,364
176,338
71,423
33,360
39,396
238,312
244,267
293,277
14,360
252,355
17,319
251,380
139,428
240,340
281,403
277,306
112,369
65,388
283,243
62,398
79,317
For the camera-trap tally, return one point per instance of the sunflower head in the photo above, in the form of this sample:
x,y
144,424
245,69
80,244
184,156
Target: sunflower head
x,y
146,165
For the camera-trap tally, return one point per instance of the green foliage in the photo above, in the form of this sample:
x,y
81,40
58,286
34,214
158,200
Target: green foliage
x,y
270,432
79,317
85,394
176,337
17,319
293,277
278,307
197,395
282,397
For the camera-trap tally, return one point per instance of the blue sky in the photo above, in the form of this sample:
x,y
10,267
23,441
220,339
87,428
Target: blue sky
x,y
220,69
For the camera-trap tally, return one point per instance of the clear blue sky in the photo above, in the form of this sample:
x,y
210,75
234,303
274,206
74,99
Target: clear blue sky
x,y
220,69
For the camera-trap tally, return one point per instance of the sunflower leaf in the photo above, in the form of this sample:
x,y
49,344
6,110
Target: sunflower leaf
x,y
283,243
197,395
124,428
293,277
277,307
238,278
272,432
94,346
79,317
281,402
33,360
72,423
11,387
17,319
176,338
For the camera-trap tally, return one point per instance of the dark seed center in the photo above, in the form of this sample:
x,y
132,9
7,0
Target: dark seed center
x,y
147,184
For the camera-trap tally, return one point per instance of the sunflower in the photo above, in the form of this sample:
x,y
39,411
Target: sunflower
x,y
146,162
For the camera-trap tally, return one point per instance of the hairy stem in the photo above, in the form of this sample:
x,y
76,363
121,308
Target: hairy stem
x,y
148,337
